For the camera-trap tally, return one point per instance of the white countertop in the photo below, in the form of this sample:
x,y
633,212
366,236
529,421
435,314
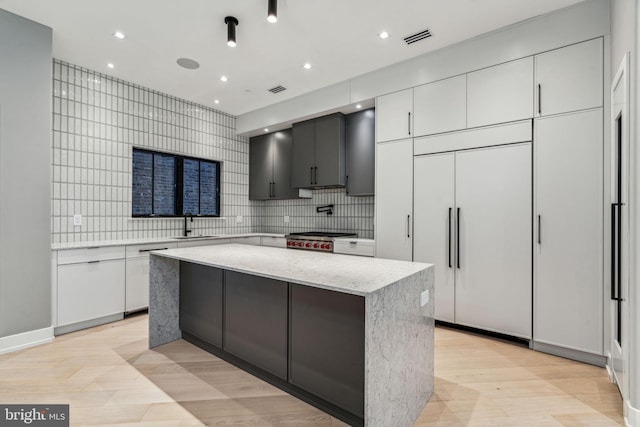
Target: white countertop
x,y
343,273
142,241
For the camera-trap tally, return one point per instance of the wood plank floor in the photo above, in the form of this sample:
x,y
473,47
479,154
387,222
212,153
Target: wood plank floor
x,y
110,378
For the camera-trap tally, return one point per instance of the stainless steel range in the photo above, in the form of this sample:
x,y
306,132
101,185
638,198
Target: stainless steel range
x,y
314,240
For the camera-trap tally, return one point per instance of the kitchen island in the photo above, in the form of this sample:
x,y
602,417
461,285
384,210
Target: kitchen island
x,y
350,335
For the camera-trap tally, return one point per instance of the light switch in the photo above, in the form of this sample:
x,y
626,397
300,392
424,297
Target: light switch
x,y
286,218
424,298
77,220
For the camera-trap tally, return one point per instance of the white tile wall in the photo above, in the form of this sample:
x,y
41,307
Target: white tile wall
x,y
97,119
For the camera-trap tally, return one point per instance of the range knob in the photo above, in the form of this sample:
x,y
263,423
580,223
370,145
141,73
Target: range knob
x,y
300,244
323,246
308,245
315,245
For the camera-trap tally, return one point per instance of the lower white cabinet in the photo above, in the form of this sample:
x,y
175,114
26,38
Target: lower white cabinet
x,y
394,199
361,247
568,294
137,274
248,240
90,290
473,221
274,241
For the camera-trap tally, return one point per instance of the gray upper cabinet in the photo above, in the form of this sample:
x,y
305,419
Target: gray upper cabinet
x,y
319,152
270,166
360,151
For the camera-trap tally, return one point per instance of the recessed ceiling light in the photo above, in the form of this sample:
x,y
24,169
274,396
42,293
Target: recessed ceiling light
x,y
383,35
216,101
307,66
187,63
110,65
358,106
224,78
119,35
266,129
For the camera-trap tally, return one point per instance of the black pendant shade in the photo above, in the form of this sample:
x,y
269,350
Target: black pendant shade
x,y
231,30
272,13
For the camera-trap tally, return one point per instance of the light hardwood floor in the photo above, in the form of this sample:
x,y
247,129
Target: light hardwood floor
x,y
110,378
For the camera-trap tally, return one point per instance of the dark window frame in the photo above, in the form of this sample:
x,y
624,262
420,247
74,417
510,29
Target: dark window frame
x,y
178,184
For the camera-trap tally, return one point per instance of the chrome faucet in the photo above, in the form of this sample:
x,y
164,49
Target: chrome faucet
x,y
186,231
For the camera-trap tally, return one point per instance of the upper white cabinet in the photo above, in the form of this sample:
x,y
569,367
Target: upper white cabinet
x,y
569,228
500,94
569,79
393,116
394,199
440,106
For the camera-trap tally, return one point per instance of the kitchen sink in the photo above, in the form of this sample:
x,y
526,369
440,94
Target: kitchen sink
x,y
192,237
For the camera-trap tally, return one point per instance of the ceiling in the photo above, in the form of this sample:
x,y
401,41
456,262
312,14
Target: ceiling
x,y
339,38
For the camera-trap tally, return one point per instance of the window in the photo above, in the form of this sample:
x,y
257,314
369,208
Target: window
x,y
170,185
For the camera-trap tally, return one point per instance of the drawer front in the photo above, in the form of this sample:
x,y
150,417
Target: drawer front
x,y
255,241
90,290
143,250
353,248
201,242
98,253
276,242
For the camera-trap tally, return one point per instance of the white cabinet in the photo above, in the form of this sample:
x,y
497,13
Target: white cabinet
x,y
570,78
361,247
473,221
393,116
500,94
201,242
568,243
248,240
90,284
274,241
440,106
137,274
394,199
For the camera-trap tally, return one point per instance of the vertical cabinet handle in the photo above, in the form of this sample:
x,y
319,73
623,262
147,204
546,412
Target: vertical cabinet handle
x,y
449,237
613,251
273,189
539,231
409,123
539,99
315,175
311,175
408,225
616,251
346,185
458,238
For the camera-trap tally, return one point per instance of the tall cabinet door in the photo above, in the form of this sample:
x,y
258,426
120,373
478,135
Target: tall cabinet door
x,y
394,199
329,150
261,167
493,263
282,146
568,250
434,210
303,154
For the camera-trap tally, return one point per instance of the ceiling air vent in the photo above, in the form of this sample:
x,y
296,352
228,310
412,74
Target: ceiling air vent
x,y
277,89
417,36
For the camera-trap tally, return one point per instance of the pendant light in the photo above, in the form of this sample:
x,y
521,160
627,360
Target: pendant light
x,y
231,30
272,14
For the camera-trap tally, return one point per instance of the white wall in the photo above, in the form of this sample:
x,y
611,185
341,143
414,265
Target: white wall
x,y
25,135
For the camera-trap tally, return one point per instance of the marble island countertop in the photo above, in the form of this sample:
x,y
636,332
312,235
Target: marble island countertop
x,y
343,273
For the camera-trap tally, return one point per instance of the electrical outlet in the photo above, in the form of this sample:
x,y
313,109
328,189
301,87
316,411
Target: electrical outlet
x,y
424,298
286,218
239,219
77,220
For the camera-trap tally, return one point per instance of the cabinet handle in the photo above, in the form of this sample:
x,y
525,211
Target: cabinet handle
x,y
346,185
458,238
539,230
315,175
311,175
616,247
272,189
449,236
409,123
93,247
93,262
539,99
408,225
149,250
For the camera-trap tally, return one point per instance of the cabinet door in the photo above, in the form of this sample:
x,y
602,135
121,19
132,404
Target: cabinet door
x,y
327,346
434,225
570,78
201,302
500,94
394,199
440,106
329,150
137,284
90,290
394,116
360,142
255,327
568,257
493,269
282,146
260,167
303,158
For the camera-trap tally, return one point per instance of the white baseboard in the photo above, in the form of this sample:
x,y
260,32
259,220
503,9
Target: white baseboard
x,y
631,415
26,339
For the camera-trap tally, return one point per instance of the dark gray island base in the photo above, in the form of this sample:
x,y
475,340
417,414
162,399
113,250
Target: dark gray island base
x,y
351,350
